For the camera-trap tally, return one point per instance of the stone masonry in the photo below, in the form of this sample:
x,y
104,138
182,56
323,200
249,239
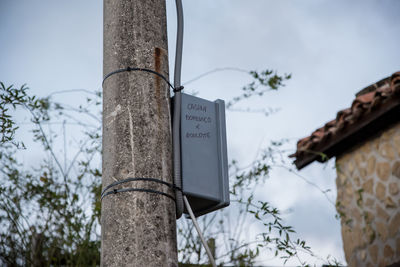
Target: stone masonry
x,y
368,200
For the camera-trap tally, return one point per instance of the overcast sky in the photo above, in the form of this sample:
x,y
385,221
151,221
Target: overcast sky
x,y
332,48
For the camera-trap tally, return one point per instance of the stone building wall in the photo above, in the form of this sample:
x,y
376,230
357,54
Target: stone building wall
x,y
368,200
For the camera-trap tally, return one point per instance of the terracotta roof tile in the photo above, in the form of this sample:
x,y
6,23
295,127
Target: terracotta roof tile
x,y
369,100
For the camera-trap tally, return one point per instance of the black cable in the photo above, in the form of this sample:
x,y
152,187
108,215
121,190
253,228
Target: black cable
x,y
115,191
177,89
130,179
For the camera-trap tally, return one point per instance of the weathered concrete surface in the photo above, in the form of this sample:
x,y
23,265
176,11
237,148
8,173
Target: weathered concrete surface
x,y
138,229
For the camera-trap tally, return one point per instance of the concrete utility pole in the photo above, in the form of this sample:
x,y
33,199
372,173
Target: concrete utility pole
x,y
138,228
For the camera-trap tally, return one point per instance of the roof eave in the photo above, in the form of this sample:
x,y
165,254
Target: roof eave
x,y
378,117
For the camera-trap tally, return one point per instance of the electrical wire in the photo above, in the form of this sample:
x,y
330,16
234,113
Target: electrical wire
x,y
115,191
144,70
140,179
107,192
176,124
196,225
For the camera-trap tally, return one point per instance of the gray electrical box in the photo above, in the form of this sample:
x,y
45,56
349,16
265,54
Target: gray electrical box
x,y
205,179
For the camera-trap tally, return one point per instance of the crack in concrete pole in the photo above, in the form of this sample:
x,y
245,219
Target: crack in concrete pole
x,y
138,228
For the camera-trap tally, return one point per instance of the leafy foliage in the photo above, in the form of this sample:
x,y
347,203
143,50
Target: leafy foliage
x,y
11,97
264,81
50,214
229,228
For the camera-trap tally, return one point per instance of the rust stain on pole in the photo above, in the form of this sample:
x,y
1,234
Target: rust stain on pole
x,y
138,228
